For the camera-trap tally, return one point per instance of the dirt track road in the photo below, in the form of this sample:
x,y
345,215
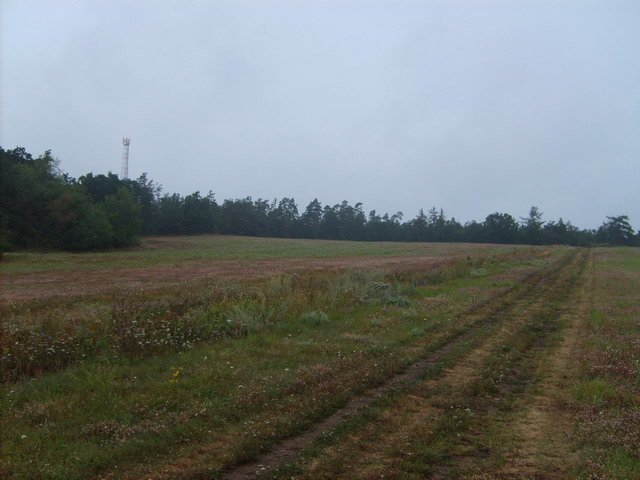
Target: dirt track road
x,y
493,412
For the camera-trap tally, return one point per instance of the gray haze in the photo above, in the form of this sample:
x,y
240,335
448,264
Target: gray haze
x,y
474,107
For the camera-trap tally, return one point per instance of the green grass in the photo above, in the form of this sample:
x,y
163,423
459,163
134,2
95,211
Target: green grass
x,y
608,393
304,346
596,391
406,439
622,465
178,250
473,431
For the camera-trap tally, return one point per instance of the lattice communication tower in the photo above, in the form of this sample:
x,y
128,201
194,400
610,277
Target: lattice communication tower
x,y
125,158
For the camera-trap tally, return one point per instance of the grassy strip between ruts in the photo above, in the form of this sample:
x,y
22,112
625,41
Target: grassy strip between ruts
x,y
433,428
534,439
508,381
105,415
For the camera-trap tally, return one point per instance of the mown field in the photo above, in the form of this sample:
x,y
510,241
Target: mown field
x,y
179,262
231,357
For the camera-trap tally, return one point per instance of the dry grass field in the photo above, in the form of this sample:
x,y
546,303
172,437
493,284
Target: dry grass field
x,y
231,357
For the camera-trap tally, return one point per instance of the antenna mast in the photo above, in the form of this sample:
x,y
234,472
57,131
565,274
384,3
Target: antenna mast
x,y
125,158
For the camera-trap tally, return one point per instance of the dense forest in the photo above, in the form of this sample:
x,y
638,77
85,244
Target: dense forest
x,y
43,208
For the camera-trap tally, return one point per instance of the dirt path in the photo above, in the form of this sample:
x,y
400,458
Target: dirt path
x,y
539,435
427,421
491,325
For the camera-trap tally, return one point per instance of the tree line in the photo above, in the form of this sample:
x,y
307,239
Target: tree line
x,y
42,207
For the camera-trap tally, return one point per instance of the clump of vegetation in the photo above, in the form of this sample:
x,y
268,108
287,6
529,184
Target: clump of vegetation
x,y
150,328
395,300
139,326
63,213
31,351
315,317
478,272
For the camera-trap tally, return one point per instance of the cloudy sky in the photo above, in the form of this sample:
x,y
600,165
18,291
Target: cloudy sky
x,y
475,106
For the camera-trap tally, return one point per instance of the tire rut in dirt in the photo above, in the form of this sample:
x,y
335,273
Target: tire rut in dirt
x,y
481,322
509,378
414,413
537,445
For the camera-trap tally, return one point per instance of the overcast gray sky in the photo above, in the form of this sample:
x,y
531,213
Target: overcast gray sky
x,y
475,107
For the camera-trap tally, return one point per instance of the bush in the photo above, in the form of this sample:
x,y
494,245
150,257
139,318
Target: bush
x,y
123,214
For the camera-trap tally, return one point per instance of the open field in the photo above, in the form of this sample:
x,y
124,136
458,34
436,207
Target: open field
x,y
175,261
305,359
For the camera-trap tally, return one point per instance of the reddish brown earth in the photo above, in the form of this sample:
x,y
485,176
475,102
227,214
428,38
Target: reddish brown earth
x,y
18,288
